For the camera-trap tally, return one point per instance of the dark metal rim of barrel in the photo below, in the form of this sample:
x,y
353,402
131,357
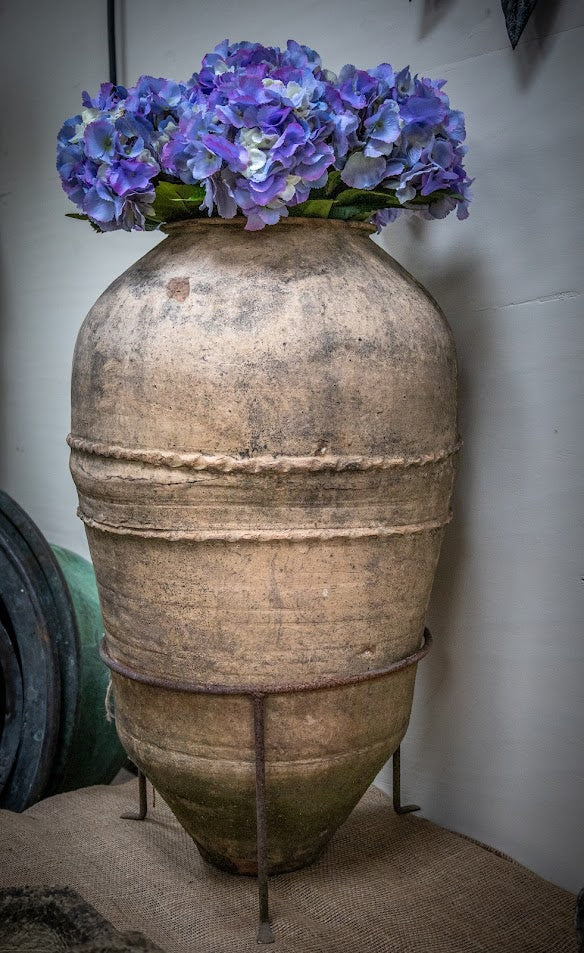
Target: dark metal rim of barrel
x,y
38,615
50,689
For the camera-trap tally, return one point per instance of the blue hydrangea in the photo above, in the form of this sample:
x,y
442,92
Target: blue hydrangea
x,y
107,162
259,130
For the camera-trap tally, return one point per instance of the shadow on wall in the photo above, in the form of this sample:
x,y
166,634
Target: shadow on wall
x,y
473,659
432,12
536,41
449,600
459,599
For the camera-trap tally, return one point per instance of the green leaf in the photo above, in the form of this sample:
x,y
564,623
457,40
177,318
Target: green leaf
x,y
85,218
175,201
328,191
313,208
333,183
362,198
353,212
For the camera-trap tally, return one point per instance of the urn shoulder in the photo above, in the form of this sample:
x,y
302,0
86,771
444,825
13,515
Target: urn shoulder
x,y
301,339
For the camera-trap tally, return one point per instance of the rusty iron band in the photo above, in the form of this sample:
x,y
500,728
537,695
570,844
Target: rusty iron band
x,y
223,463
197,688
265,535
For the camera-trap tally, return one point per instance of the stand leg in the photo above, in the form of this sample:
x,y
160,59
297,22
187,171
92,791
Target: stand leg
x,y
143,801
398,807
265,934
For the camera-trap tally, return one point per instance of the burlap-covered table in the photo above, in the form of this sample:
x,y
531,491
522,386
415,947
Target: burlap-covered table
x,y
386,884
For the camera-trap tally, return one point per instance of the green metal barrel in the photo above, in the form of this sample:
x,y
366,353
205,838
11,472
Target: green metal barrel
x,y
95,753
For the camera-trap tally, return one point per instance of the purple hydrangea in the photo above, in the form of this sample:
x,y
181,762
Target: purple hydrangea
x,y
259,130
107,161
258,126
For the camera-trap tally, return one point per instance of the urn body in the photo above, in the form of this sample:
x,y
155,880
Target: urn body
x,y
263,443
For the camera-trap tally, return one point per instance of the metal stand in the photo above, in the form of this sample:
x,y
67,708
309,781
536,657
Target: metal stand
x,y
258,697
265,934
398,807
142,801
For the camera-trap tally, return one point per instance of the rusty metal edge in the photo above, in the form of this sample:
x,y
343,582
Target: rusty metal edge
x,y
196,688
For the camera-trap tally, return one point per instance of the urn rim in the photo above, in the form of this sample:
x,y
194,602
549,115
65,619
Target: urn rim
x,y
239,221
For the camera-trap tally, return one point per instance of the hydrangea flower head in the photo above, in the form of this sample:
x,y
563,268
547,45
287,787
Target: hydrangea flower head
x,y
263,131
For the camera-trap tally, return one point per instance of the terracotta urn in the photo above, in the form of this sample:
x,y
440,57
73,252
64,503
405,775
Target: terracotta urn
x,y
263,442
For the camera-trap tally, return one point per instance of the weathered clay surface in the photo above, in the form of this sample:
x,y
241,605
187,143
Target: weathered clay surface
x,y
263,442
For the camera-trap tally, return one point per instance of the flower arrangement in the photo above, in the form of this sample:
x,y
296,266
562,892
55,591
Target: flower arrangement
x,y
265,133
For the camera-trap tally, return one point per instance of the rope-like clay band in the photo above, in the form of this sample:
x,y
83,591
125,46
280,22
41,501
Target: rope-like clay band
x,y
265,535
222,463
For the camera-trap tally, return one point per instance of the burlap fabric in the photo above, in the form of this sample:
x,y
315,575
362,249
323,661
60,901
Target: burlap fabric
x,y
386,884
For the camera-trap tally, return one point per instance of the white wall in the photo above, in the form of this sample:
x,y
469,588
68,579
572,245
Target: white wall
x,y
495,748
